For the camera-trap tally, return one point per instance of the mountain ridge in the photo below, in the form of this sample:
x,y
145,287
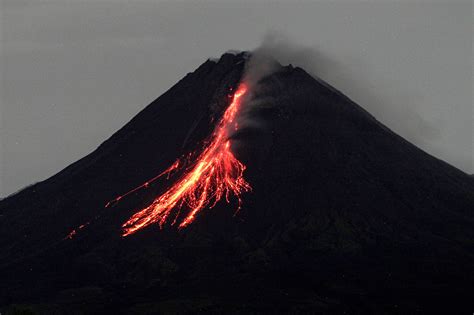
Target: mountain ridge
x,y
345,215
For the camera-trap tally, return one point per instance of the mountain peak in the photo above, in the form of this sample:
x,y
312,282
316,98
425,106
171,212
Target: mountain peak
x,y
342,210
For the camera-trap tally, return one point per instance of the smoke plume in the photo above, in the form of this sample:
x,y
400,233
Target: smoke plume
x,y
393,106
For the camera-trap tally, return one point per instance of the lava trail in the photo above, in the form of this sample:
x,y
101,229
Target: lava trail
x,y
213,174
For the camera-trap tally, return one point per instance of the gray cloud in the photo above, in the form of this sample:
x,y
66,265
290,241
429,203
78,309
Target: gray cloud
x,y
400,110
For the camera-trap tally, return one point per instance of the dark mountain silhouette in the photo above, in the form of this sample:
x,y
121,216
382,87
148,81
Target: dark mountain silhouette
x,y
344,215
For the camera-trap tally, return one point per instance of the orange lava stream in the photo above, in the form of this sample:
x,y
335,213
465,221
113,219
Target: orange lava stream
x,y
215,173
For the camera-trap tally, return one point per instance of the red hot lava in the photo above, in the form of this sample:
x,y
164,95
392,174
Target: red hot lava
x,y
215,173
74,232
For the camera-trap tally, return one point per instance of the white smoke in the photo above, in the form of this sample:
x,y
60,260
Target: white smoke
x,y
398,109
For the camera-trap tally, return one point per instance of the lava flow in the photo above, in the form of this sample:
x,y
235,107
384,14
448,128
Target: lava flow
x,y
215,173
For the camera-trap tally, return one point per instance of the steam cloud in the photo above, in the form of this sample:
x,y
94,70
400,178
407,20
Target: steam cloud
x,y
397,109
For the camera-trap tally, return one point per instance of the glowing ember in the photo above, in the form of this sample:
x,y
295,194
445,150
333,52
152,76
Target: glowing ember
x,y
74,232
213,174
168,171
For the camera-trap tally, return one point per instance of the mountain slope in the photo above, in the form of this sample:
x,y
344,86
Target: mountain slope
x,y
344,215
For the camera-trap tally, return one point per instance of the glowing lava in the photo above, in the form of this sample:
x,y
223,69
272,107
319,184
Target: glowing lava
x,y
74,232
214,173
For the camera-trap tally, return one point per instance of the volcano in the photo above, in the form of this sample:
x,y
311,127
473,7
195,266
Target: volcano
x,y
309,205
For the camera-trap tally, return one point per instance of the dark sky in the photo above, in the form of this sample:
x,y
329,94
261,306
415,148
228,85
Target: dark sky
x,y
75,71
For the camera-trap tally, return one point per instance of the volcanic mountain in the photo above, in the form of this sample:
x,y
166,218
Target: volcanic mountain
x,y
340,214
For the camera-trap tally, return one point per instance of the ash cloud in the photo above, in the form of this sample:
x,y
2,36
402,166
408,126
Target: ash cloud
x,y
396,107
